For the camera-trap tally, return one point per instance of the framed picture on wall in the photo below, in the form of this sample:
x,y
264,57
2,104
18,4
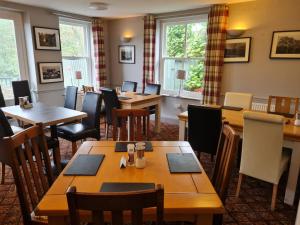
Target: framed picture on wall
x,y
127,54
50,72
237,50
285,45
46,38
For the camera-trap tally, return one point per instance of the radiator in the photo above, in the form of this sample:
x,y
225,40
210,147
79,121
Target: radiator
x,y
261,107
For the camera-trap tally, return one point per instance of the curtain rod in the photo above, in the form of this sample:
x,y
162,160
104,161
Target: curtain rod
x,y
71,16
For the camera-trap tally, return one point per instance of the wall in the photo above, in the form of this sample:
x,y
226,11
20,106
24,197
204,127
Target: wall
x,y
120,72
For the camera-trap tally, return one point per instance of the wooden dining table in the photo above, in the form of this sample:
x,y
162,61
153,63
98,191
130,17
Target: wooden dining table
x,y
188,196
291,139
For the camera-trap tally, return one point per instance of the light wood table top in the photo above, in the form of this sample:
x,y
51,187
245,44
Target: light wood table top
x,y
186,194
42,113
235,119
135,98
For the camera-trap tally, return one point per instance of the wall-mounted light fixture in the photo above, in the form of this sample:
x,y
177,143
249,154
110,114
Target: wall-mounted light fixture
x,y
235,32
125,39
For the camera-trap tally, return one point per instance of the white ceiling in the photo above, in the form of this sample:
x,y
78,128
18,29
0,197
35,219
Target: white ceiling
x,y
123,8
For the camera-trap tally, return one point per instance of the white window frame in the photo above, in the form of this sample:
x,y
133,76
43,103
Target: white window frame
x,y
20,41
88,45
163,24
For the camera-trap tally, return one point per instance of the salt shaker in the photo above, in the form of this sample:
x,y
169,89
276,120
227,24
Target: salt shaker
x,y
140,160
130,151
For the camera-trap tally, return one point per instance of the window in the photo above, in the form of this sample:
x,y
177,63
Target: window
x,y
12,54
76,51
183,48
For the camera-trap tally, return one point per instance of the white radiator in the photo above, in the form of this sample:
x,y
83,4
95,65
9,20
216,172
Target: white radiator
x,y
261,107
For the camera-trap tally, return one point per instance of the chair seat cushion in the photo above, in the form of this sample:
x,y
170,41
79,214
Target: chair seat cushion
x,y
74,132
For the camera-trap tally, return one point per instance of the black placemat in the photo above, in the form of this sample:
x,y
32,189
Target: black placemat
x,y
232,108
183,163
142,94
85,165
122,146
123,98
125,187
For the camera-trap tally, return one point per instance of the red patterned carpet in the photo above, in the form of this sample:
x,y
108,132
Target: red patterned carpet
x,y
253,206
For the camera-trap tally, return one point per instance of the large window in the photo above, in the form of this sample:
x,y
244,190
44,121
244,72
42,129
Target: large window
x,y
76,51
183,48
12,54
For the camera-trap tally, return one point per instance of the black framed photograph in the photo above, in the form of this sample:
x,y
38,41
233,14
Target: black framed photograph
x,y
285,45
237,50
50,72
127,54
46,38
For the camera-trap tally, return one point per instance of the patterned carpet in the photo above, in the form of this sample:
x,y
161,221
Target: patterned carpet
x,y
252,208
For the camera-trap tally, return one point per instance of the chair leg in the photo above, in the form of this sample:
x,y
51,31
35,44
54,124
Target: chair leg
x,y
211,157
274,194
238,188
3,174
74,148
106,131
57,159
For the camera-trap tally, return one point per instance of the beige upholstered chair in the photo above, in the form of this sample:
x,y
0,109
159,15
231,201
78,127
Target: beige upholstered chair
x,y
262,154
236,99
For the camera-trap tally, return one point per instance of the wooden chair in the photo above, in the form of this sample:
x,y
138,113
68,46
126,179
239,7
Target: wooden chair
x,y
27,155
86,88
227,149
116,203
286,106
138,130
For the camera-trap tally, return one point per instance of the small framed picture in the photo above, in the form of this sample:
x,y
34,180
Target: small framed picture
x,y
50,72
127,54
46,38
237,50
285,45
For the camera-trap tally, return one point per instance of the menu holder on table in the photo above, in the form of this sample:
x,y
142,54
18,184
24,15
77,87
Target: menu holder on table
x,y
183,163
122,146
142,94
85,165
123,98
125,187
232,108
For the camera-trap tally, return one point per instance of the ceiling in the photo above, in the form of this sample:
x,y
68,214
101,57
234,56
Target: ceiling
x,y
122,8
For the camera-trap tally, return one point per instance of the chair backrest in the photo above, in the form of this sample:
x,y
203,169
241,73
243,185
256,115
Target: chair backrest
x,y
204,127
138,124
235,99
5,128
286,106
116,203
262,145
92,106
71,97
152,89
2,101
129,86
21,89
27,155
111,101
227,149
86,88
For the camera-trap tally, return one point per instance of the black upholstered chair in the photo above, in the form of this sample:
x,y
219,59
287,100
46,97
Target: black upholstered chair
x,y
2,101
204,127
21,89
111,101
89,127
71,97
152,89
129,86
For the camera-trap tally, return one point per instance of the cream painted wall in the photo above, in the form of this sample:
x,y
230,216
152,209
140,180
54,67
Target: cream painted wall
x,y
263,76
120,72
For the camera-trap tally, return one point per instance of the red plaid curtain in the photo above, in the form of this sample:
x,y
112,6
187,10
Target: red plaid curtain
x,y
98,40
149,49
214,58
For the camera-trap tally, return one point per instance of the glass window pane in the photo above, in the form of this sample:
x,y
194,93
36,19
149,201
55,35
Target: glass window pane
x,y
196,39
9,64
175,39
195,75
70,67
72,40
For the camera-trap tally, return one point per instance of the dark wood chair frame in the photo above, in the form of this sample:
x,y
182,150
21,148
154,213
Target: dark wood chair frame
x,y
283,105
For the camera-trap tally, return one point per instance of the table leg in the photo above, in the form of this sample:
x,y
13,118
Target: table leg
x,y
293,174
57,220
182,125
53,129
204,219
157,117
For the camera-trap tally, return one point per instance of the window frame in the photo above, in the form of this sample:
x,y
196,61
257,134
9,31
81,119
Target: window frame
x,y
87,25
162,52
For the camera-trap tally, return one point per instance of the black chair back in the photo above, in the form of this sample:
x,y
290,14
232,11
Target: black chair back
x,y
2,101
71,97
111,101
92,106
5,128
129,86
204,127
152,89
21,89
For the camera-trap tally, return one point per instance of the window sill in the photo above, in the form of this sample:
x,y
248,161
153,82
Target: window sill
x,y
182,97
